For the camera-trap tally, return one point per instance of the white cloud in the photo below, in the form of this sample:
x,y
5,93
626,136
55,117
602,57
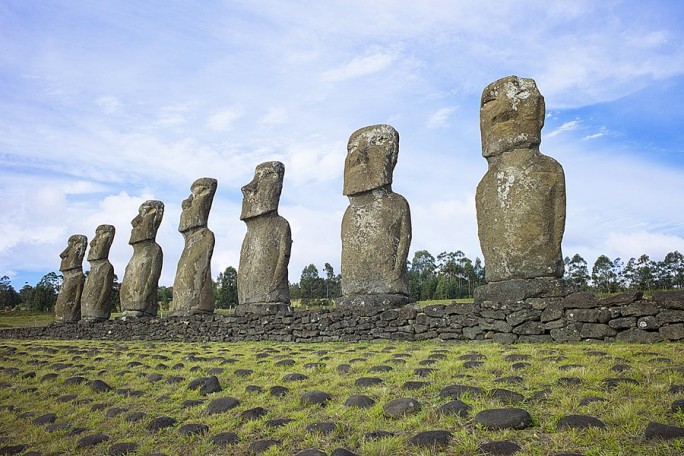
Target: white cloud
x,y
567,126
275,116
594,136
360,66
440,118
223,120
109,104
656,245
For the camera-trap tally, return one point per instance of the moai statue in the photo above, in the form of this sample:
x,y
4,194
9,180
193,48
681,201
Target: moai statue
x,y
96,303
262,276
376,228
521,199
193,291
138,292
68,306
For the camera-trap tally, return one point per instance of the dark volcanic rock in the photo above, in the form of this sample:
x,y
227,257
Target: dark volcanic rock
x,y
160,422
323,427
455,407
400,407
193,429
278,391
221,405
315,398
92,440
437,438
368,381
663,431
224,438
253,413
580,422
99,386
456,391
259,446
48,418
123,448
510,418
360,401
499,448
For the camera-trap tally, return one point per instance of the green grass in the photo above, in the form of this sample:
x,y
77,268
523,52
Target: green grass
x,y
626,412
25,318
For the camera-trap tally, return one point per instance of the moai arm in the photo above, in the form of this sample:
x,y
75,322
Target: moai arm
x,y
152,281
284,250
404,238
560,206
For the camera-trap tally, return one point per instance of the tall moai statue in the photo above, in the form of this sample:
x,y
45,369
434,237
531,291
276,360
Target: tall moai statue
x,y
376,228
193,291
138,291
96,302
520,201
262,275
68,305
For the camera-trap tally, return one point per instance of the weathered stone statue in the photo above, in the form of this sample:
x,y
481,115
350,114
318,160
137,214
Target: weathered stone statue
x,y
139,287
96,303
521,199
68,305
262,276
376,228
192,289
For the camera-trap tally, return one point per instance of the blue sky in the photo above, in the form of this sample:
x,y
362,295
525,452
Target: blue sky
x,y
106,104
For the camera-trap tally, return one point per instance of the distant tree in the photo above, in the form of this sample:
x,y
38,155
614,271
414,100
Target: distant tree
x,y
114,298
640,273
8,295
421,275
312,287
603,276
333,288
226,289
25,293
44,295
577,271
164,296
673,266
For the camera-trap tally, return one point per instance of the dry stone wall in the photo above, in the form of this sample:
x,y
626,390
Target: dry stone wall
x,y
576,317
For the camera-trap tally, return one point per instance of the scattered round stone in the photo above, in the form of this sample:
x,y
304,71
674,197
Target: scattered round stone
x,y
456,391
507,396
499,448
260,446
323,427
472,357
191,403
77,431
311,452
431,439
663,431
115,411
48,418
455,407
75,380
568,454
676,389
130,392
123,448
98,407
216,370
414,385
400,407
278,391
423,371
173,379
516,357
294,377
360,401
580,422
519,366
569,381
57,427
243,372
473,364
13,449
211,386
314,366
221,405
160,422
508,418
193,429
614,382
678,406
253,413
152,378
377,435
567,367
315,398
92,440
135,417
621,368
590,400
368,381
278,422
510,379
66,398
99,386
342,452
381,368
224,438
344,368
286,362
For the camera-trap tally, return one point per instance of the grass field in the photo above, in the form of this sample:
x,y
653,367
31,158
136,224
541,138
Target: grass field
x,y
150,380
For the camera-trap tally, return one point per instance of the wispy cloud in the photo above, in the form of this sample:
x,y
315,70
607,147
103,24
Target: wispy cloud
x,y
359,66
567,126
223,120
440,118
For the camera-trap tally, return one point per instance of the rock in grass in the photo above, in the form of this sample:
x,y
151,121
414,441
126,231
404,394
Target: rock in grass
x,y
507,396
278,391
224,438
99,386
342,452
663,431
678,406
13,449
92,440
315,398
193,429
311,452
123,448
377,435
456,391
259,446
437,438
508,418
211,386
253,413
456,407
323,427
160,422
360,401
77,380
221,405
48,418
580,422
499,448
399,407
278,422
368,381
294,377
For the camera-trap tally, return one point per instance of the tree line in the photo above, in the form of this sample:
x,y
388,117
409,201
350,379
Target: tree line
x,y
449,275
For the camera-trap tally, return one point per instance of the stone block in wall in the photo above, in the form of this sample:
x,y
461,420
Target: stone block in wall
x,y
566,334
504,338
494,325
407,312
436,310
461,309
583,315
521,316
450,336
493,314
623,323
672,332
621,299
535,339
473,333
670,316
596,331
669,299
544,303
530,328
555,324
580,300
648,322
639,309
636,335
553,311
512,291
426,336
604,315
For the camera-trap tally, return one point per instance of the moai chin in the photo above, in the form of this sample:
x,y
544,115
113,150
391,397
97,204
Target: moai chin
x,y
520,201
96,299
138,292
262,275
68,305
376,228
192,288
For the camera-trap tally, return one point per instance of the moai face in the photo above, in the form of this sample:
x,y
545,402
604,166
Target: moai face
x,y
511,116
72,256
262,195
100,245
197,206
371,156
146,223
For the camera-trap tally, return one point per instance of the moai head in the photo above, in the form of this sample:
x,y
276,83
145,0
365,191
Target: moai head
x,y
72,256
262,195
100,245
146,223
371,156
511,116
197,206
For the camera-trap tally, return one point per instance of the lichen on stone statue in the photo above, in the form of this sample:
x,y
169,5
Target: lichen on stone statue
x,y
520,201
68,305
96,302
138,292
192,288
262,280
376,227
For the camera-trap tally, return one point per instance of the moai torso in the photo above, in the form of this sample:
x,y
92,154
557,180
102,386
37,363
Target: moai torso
x,y
68,305
520,201
192,288
138,291
96,299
